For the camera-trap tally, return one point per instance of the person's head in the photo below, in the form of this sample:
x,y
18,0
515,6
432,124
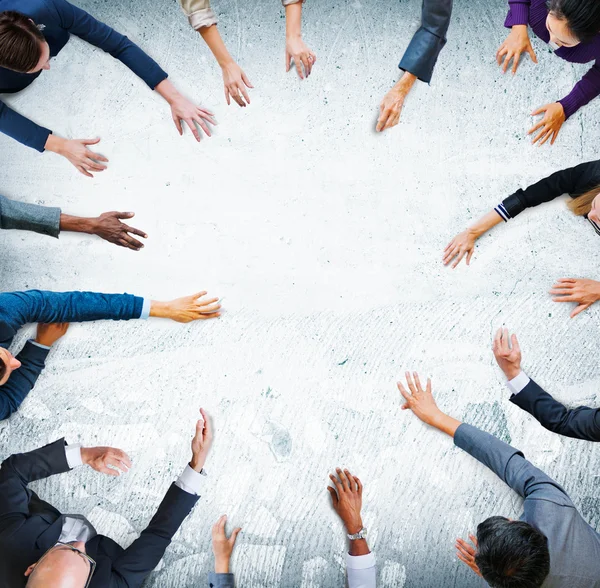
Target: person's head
x,y
511,554
587,204
23,48
571,22
62,566
8,363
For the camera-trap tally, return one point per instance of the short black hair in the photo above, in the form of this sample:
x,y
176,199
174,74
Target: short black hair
x,y
512,554
2,368
20,42
582,16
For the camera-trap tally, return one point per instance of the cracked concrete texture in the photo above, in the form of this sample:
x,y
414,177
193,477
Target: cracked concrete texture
x,y
325,240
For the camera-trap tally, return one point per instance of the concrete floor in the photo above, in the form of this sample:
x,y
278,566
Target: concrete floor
x,y
325,240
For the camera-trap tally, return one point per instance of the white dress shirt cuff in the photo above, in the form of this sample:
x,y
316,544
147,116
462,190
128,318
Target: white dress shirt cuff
x,y
360,562
73,453
190,480
34,342
146,309
518,383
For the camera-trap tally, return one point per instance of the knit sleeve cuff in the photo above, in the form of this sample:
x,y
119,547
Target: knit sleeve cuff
x,y
570,104
517,15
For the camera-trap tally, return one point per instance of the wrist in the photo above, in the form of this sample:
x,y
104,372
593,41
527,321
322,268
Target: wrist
x,y
512,372
222,565
167,90
54,144
197,464
159,309
520,29
78,224
475,232
353,527
85,454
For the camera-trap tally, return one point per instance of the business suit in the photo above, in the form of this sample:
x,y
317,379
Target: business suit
x,y
580,423
29,526
35,306
423,51
29,217
574,546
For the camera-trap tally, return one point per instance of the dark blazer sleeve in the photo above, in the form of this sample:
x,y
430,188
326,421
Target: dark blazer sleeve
x,y
510,465
580,423
143,555
421,55
21,381
22,129
20,469
29,217
39,306
85,26
574,181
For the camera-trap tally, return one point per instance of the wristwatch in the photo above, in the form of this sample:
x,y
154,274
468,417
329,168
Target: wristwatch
x,y
362,534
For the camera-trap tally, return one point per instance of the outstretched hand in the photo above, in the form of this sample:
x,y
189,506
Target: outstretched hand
x,y
346,497
303,57
507,353
463,244
514,46
184,110
235,82
108,226
551,123
419,400
106,460
202,441
223,545
582,291
467,552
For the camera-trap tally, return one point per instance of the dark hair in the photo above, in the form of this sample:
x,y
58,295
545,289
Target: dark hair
x,y
19,42
582,16
512,554
2,368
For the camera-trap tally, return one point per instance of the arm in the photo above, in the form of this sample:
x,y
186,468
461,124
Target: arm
x,y
22,129
222,548
83,25
22,380
29,217
295,48
580,423
422,53
583,92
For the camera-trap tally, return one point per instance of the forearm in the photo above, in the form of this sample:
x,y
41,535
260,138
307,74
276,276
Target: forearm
x,y
77,224
359,547
293,20
168,91
215,43
444,423
405,83
485,223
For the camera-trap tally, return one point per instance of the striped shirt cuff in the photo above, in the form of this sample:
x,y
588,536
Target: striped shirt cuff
x,y
501,210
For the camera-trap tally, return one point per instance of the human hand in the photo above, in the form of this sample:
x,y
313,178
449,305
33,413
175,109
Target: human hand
x,y
582,291
106,460
466,553
187,309
235,82
202,441
77,152
48,334
183,109
223,546
347,499
508,357
552,121
392,103
420,401
109,227
515,44
463,244
297,50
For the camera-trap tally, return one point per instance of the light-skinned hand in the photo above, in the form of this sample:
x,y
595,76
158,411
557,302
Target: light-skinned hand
x,y
202,442
297,51
185,110
467,552
223,545
550,125
48,334
582,291
106,460
463,244
235,82
507,353
514,46
419,400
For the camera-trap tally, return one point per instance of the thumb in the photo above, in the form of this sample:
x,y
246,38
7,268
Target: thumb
x,y
579,309
91,141
540,110
124,214
288,61
246,80
334,496
234,535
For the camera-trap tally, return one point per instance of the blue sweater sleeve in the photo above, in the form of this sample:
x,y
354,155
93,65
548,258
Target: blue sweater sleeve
x,y
510,465
422,53
22,129
221,580
37,306
84,25
22,380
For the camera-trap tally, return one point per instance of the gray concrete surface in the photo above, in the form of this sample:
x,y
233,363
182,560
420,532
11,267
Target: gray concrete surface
x,y
325,240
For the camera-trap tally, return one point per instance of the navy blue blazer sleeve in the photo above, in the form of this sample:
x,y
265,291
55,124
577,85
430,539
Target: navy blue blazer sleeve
x,y
580,423
510,465
574,181
22,129
143,555
22,380
38,306
422,53
20,469
84,25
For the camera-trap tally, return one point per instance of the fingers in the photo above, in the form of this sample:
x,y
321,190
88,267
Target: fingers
x,y
135,231
343,478
190,123
532,54
461,254
83,171
288,61
418,383
515,63
244,93
227,96
410,383
234,535
501,51
117,464
579,309
334,496
298,64
509,56
208,428
536,127
405,394
540,110
91,141
178,125
247,82
469,255
515,344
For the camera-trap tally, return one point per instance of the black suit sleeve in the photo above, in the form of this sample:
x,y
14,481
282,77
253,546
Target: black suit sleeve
x,y
20,469
580,423
22,380
574,181
143,555
421,55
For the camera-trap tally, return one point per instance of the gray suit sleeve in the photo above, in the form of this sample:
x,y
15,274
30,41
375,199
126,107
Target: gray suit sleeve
x,y
510,465
221,580
421,55
29,217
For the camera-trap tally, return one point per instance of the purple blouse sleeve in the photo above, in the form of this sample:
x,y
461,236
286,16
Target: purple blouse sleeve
x,y
583,92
